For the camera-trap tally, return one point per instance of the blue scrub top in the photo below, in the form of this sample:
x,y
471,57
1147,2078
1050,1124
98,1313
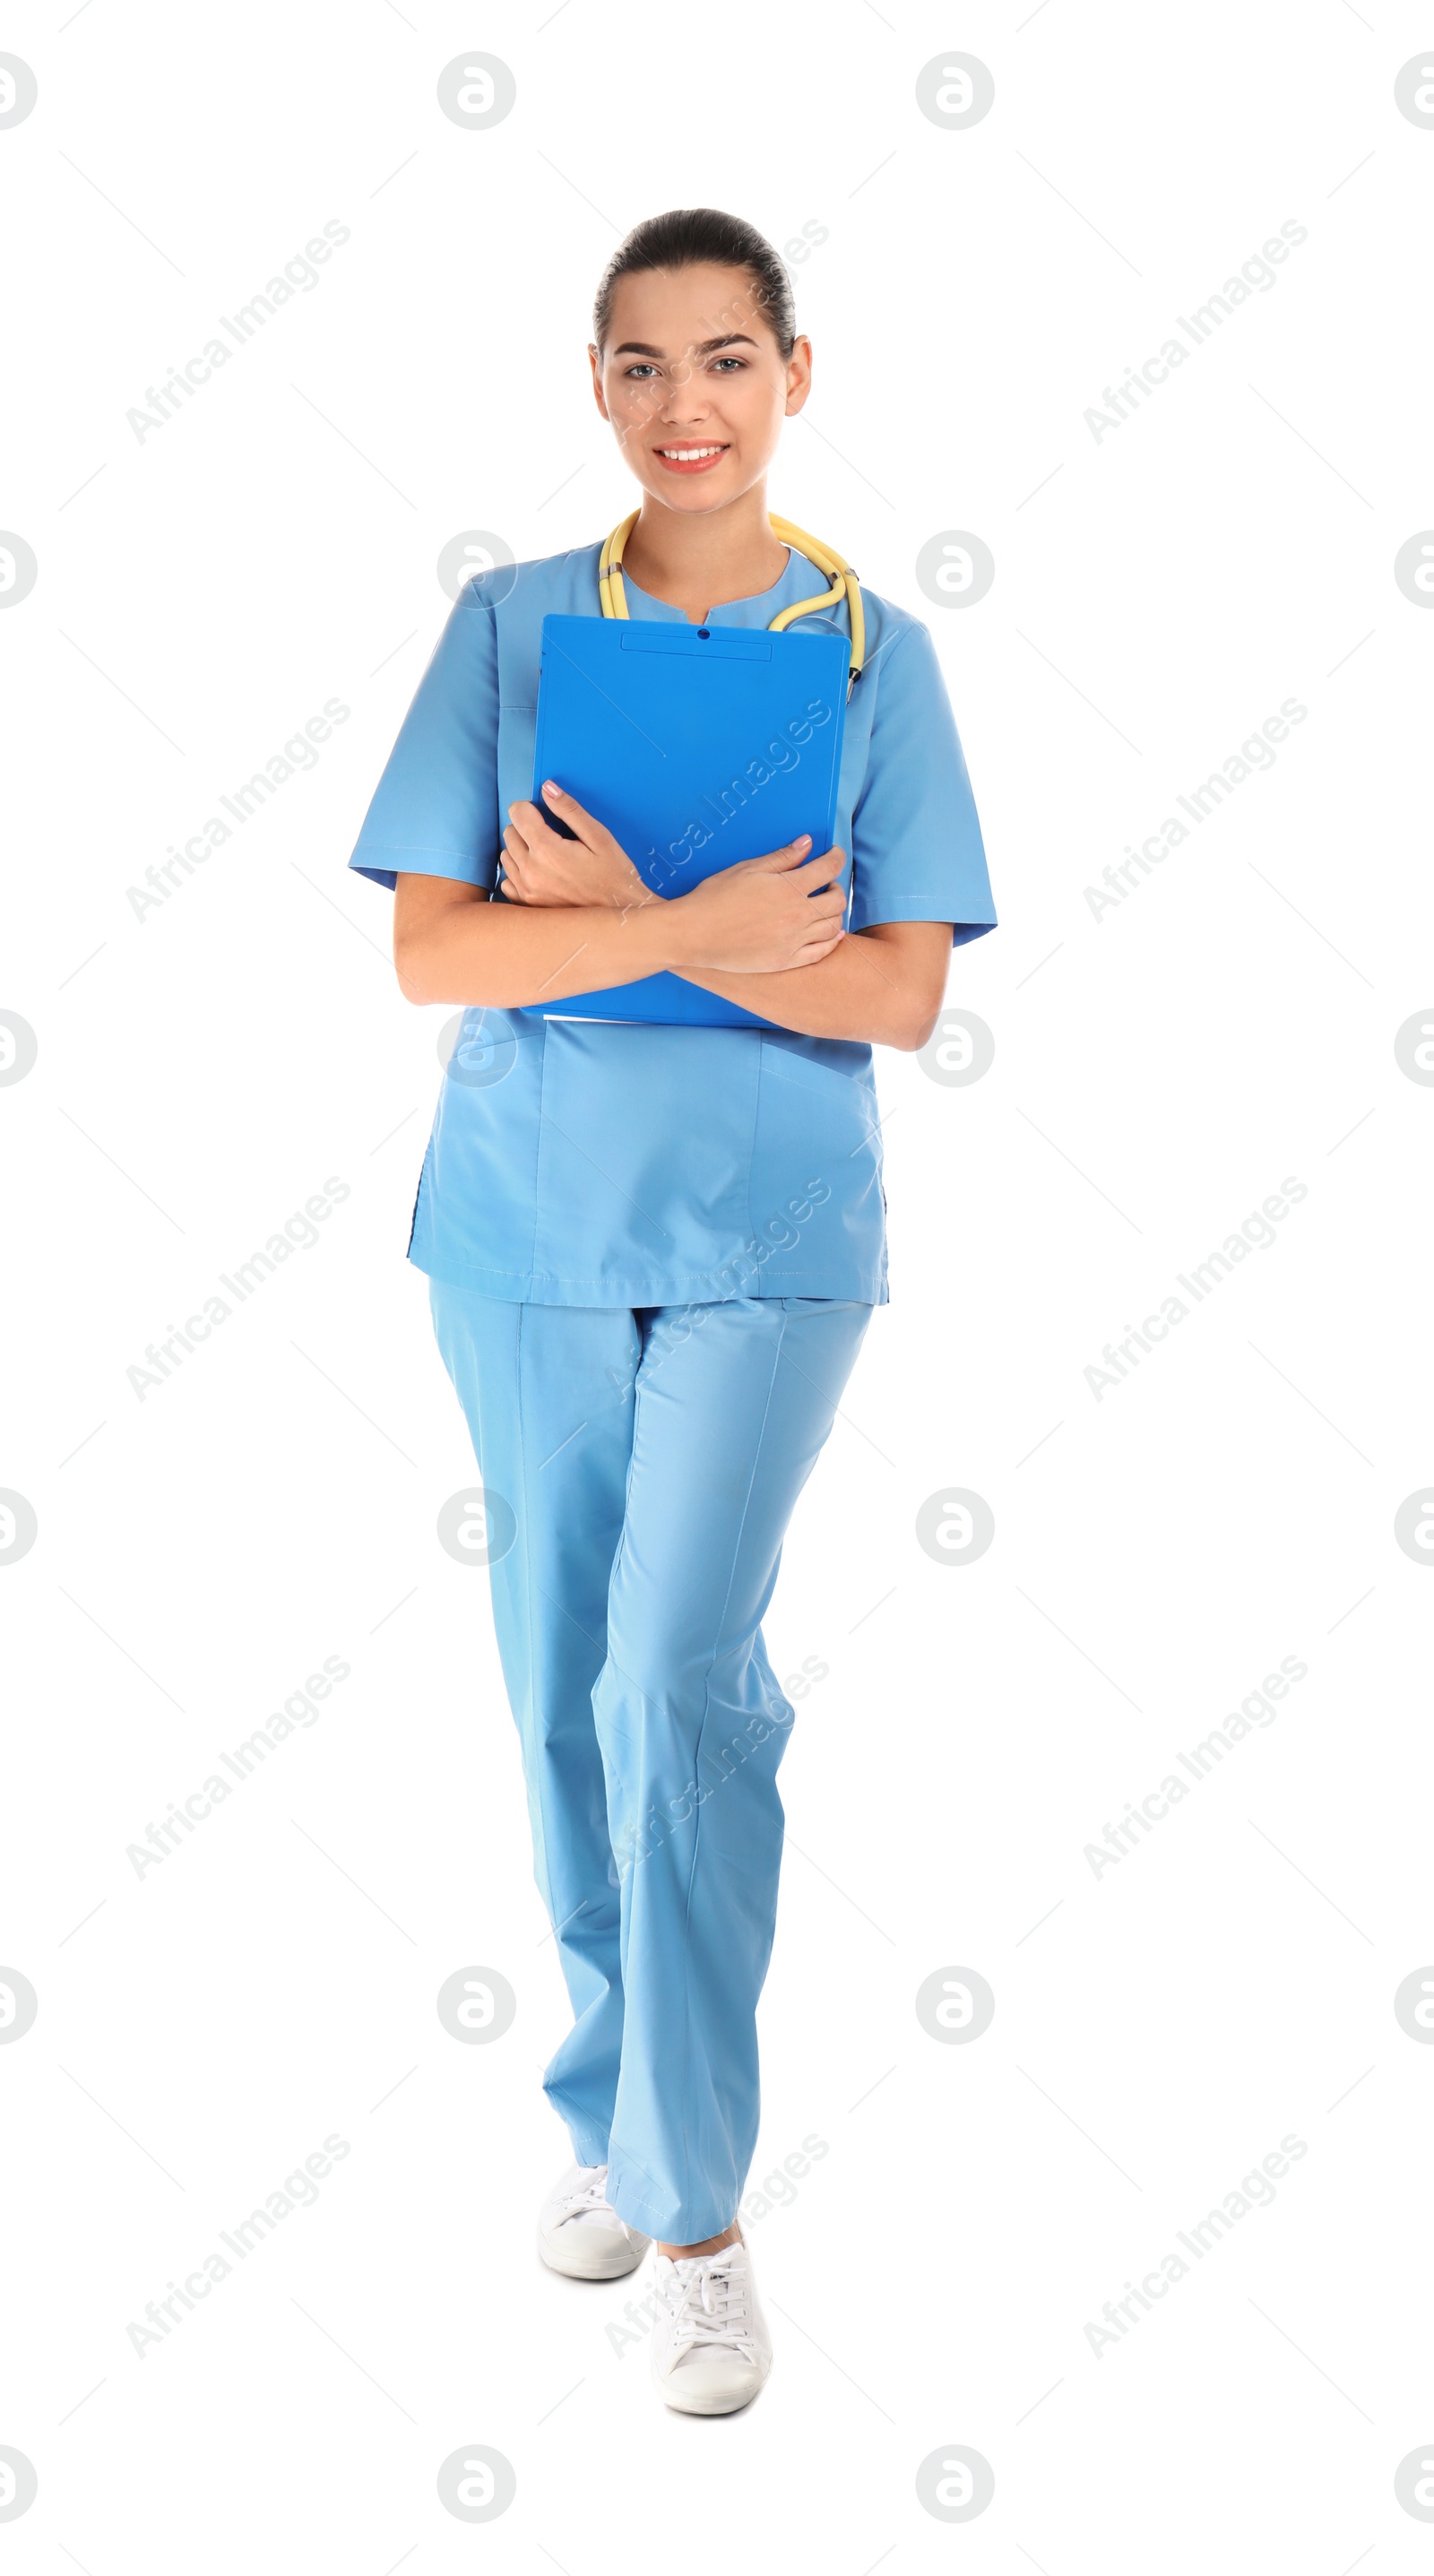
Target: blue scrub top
x,y
596,1163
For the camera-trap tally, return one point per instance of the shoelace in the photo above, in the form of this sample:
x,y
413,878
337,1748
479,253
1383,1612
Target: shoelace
x,y
588,2195
707,2302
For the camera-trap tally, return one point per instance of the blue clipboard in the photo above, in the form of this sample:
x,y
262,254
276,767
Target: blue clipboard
x,y
697,746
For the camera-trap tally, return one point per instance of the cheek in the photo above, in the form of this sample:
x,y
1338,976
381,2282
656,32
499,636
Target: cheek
x,y
614,402
752,410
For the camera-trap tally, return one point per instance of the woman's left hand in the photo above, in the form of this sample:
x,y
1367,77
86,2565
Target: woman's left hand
x,y
540,867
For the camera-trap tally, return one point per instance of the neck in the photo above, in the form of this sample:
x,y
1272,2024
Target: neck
x,y
696,561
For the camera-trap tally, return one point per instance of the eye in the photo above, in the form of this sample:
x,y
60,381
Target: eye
x,y
738,364
640,370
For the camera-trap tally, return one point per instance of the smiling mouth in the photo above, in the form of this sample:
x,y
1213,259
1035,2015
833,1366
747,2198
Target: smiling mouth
x,y
690,460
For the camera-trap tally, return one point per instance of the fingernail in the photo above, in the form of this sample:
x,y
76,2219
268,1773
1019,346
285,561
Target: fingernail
x,y
803,841
551,787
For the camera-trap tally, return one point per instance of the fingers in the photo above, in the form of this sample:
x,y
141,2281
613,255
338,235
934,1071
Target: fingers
x,y
828,906
532,827
516,858
528,849
566,807
791,856
815,950
800,854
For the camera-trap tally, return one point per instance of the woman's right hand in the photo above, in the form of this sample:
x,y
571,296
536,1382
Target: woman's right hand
x,y
761,916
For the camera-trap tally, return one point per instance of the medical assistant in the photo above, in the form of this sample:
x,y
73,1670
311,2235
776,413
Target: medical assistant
x,y
653,1253
584,1163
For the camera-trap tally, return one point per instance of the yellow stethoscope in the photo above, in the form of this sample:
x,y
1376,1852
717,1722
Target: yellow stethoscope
x,y
613,594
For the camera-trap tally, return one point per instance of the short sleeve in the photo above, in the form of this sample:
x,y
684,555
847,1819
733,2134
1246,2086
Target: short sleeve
x,y
435,809
917,852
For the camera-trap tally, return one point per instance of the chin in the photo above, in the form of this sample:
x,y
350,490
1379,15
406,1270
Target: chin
x,y
696,494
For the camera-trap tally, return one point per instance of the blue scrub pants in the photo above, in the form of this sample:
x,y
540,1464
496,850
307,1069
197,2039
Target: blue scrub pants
x,y
652,1457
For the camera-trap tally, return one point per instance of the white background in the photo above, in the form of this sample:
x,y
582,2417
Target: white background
x,y
1158,1072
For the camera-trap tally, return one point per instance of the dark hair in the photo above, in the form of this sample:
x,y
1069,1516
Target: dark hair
x,y
698,236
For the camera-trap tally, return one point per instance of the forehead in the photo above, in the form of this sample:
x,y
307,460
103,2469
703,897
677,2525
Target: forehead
x,y
673,308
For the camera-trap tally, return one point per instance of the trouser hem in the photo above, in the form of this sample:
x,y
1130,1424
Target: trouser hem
x,y
671,2224
590,2145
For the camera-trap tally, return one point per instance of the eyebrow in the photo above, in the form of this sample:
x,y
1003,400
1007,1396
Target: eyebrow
x,y
701,348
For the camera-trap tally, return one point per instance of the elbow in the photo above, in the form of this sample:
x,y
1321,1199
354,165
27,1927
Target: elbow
x,y
424,973
423,962
897,1028
440,953
914,1026
413,967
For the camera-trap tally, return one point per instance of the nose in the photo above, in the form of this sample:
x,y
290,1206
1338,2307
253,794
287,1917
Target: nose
x,y
685,402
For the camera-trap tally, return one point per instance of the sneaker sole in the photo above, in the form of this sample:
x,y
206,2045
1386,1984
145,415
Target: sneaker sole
x,y
594,2265
709,2405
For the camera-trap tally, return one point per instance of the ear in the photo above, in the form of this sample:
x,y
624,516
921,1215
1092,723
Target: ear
x,y
799,374
595,362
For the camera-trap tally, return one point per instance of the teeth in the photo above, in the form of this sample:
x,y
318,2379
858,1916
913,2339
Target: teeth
x,y
689,455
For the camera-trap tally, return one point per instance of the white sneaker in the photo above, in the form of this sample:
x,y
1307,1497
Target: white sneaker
x,y
580,2233
711,2350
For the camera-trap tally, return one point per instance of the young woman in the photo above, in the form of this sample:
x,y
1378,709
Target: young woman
x,y
653,1251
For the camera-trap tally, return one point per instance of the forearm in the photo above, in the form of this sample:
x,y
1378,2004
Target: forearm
x,y
884,984
856,992
508,956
